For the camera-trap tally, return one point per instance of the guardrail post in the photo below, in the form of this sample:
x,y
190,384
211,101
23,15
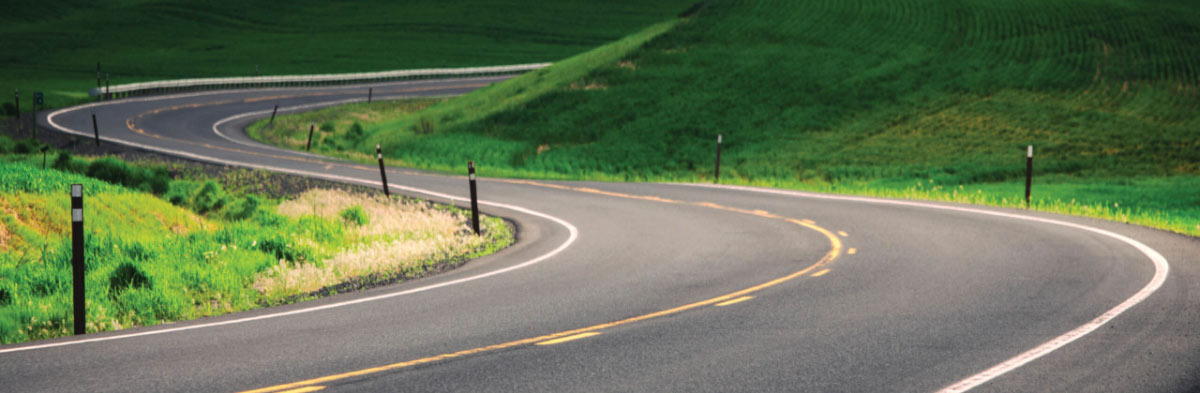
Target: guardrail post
x,y
717,170
311,127
77,262
474,197
382,172
1028,174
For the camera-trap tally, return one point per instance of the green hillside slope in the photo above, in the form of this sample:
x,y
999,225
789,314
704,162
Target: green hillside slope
x,y
54,46
929,99
198,250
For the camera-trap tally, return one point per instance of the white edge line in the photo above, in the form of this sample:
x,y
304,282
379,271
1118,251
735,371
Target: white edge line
x,y
1161,270
574,234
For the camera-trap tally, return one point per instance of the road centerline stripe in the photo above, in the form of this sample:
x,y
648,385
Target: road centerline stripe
x,y
569,338
734,301
834,252
1161,270
305,389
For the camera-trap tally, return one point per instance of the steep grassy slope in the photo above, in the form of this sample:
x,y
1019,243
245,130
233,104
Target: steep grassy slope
x,y
202,251
54,46
904,98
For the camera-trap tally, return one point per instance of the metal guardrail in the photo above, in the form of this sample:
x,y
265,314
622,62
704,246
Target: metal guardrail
x,y
180,85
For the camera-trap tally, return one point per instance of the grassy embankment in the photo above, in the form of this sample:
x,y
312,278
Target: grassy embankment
x,y
54,46
181,249
912,99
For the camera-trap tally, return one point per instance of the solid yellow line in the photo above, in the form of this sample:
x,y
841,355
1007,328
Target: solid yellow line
x,y
843,233
568,338
834,251
734,301
821,273
305,389
852,251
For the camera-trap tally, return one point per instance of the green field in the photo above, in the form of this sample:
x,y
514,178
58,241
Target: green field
x,y
922,99
160,249
54,46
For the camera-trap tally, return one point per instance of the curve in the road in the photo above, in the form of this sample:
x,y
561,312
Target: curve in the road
x,y
243,153
1161,269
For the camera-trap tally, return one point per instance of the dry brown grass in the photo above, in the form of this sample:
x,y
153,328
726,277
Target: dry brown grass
x,y
400,237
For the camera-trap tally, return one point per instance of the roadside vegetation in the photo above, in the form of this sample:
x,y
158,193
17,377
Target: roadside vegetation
x,y
912,99
161,248
54,46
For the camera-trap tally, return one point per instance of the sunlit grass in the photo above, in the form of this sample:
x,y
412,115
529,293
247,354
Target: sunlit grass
x,y
149,261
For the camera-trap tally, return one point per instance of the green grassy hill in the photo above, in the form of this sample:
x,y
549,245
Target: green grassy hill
x,y
197,250
927,99
54,46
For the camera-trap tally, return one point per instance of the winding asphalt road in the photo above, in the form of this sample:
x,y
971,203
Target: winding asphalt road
x,y
664,287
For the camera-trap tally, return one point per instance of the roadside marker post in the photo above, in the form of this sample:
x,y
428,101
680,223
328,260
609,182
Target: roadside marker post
x,y
272,122
17,103
106,96
1028,174
717,171
95,128
77,262
311,127
370,92
382,173
474,197
44,149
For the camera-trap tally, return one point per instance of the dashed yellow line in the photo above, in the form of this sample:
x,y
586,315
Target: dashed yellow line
x,y
843,233
852,251
569,338
821,273
734,301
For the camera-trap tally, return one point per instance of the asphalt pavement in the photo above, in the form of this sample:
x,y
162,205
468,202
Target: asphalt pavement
x,y
662,287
